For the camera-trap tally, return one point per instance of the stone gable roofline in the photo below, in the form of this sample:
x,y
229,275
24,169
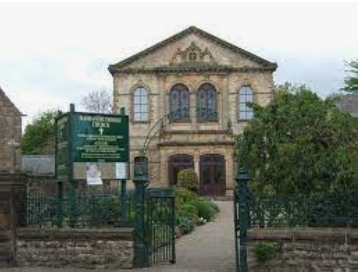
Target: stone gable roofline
x,y
191,30
9,102
190,69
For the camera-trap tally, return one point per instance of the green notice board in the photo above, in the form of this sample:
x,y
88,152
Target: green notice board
x,y
86,139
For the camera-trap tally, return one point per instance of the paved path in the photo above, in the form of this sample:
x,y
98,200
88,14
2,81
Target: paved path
x,y
209,248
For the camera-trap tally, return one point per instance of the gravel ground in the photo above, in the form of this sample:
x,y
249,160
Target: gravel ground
x,y
209,248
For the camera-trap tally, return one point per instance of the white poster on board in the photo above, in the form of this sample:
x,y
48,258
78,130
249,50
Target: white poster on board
x,y
121,170
93,174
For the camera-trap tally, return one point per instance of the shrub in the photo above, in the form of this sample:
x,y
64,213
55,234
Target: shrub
x,y
185,224
214,206
205,209
187,178
264,251
188,210
183,195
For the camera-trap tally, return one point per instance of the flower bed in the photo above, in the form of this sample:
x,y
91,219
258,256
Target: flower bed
x,y
192,210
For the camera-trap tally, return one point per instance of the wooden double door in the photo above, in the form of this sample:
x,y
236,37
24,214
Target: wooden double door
x,y
212,175
212,172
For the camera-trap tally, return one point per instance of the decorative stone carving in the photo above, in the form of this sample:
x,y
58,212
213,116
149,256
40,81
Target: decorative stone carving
x,y
193,54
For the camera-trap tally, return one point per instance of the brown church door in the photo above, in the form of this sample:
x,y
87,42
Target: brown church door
x,y
177,163
212,175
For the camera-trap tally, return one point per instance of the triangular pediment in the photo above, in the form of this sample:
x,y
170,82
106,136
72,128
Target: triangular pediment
x,y
192,48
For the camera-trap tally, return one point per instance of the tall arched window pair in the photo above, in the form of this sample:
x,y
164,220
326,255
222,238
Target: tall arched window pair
x,y
206,103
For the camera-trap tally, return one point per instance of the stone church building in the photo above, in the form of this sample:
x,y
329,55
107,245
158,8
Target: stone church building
x,y
187,99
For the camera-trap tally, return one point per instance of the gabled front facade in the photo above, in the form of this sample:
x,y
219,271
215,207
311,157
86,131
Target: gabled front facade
x,y
192,90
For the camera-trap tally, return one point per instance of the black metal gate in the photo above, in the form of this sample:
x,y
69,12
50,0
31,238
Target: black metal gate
x,y
161,223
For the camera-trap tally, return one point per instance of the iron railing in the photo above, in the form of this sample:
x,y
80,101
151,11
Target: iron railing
x,y
290,211
83,210
317,210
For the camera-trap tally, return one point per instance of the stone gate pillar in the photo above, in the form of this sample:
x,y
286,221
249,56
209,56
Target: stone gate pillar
x,y
11,185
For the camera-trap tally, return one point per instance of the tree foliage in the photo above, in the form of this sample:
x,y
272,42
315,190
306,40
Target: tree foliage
x,y
299,144
39,136
351,81
98,102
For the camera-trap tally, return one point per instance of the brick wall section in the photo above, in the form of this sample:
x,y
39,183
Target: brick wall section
x,y
306,249
80,248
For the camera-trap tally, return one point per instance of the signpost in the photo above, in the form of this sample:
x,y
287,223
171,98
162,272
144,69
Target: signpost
x,y
88,143
91,147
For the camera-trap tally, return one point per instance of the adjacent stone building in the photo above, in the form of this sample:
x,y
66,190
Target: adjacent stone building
x,y
188,96
10,133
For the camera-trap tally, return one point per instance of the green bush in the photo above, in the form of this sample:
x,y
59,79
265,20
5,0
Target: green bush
x,y
188,210
185,224
264,251
205,209
188,179
191,210
183,196
214,206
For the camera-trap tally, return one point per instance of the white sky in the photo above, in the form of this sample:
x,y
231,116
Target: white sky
x,y
53,54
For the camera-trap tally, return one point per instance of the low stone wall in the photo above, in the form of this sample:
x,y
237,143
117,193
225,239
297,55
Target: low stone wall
x,y
80,248
306,249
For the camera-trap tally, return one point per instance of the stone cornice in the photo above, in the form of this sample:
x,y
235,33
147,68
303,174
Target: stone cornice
x,y
194,144
218,69
197,132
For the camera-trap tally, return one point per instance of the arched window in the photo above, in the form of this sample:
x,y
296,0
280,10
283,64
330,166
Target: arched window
x,y
140,105
245,96
141,166
207,103
179,102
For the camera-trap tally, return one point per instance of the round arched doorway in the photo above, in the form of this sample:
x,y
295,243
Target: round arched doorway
x,y
177,163
212,170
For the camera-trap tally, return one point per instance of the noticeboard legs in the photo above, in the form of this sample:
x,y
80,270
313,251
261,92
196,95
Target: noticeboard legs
x,y
60,204
123,201
72,201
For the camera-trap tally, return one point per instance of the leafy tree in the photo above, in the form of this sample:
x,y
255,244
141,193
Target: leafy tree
x,y
299,143
351,81
39,136
98,102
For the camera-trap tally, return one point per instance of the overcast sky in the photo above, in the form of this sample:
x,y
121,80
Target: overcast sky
x,y
53,54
